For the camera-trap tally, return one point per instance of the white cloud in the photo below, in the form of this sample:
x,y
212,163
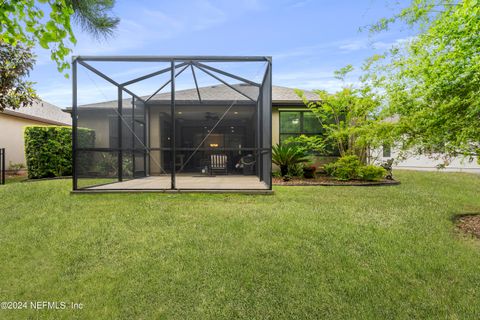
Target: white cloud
x,y
312,79
381,45
299,4
354,45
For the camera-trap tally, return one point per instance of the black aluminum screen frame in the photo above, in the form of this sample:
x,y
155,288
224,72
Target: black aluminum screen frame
x,y
264,104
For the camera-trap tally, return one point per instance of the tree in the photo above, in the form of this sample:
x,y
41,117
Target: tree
x,y
22,25
431,83
24,21
15,64
349,116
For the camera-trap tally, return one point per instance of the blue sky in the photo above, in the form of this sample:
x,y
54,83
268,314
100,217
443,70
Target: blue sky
x,y
308,39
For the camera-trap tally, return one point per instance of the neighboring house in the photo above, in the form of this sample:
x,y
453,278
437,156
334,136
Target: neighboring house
x,y
421,162
13,122
424,163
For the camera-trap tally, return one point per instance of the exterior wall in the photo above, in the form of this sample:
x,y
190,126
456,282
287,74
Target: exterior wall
x,y
424,163
11,137
275,126
98,122
154,138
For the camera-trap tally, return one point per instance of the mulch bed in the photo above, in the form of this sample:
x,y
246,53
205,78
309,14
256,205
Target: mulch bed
x,y
470,224
328,181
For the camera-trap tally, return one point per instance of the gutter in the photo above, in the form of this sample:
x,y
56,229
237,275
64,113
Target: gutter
x,y
35,118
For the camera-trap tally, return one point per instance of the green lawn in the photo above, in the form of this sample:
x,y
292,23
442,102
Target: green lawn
x,y
305,252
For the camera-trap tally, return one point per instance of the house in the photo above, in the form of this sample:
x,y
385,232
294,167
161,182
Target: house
x,y
414,161
433,163
290,116
231,114
13,122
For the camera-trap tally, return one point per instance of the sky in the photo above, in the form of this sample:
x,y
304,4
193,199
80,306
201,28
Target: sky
x,y
307,39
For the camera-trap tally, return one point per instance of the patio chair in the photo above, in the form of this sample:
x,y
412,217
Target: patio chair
x,y
218,163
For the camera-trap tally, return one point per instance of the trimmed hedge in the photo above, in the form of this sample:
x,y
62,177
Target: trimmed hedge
x,y
48,150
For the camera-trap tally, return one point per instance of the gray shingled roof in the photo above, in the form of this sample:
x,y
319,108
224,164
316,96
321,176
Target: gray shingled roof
x,y
42,111
280,95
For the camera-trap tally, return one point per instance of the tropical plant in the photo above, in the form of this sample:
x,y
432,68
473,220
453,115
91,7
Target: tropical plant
x,y
286,156
432,81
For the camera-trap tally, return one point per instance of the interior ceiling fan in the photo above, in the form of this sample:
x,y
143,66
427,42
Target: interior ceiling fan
x,y
211,116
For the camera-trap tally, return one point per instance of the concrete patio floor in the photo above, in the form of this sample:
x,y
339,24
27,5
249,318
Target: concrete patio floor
x,y
232,183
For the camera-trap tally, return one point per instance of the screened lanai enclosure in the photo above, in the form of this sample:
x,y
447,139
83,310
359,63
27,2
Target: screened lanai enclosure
x,y
171,123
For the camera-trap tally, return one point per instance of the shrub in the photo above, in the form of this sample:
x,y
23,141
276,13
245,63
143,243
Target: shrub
x,y
48,150
345,168
295,170
287,156
15,168
350,167
276,174
371,173
107,165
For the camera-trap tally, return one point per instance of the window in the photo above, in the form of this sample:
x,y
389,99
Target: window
x,y
387,151
295,123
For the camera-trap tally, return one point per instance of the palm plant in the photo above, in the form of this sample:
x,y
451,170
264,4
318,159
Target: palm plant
x,y
93,16
285,156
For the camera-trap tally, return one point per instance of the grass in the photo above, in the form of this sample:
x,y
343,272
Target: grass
x,y
15,178
304,253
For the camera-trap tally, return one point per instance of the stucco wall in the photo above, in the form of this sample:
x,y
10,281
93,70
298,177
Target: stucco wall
x,y
275,126
155,138
11,137
98,122
424,163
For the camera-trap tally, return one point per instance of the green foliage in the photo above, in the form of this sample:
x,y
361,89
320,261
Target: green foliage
x,y
15,167
350,168
345,168
287,156
371,173
432,81
48,150
107,165
349,117
295,170
308,144
16,61
27,22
